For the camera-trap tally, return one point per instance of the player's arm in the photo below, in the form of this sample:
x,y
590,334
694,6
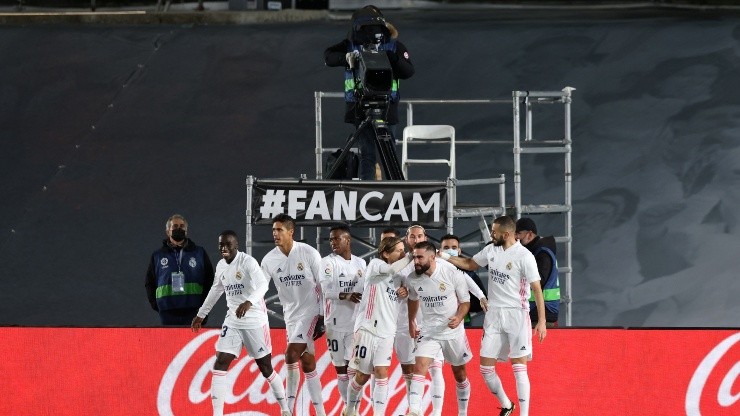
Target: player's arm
x,y
539,300
463,299
460,262
328,281
217,289
413,305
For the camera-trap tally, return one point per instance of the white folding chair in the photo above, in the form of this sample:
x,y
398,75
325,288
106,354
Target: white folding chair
x,y
428,134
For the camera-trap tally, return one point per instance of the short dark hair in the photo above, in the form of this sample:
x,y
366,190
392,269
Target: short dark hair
x,y
506,222
286,219
226,233
426,245
449,237
341,227
391,230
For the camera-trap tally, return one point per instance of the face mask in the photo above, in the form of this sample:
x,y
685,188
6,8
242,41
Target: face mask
x,y
178,234
452,252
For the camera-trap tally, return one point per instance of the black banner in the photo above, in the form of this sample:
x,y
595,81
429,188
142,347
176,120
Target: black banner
x,y
355,203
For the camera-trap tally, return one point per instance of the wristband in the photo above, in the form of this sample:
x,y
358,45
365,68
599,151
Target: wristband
x,y
445,256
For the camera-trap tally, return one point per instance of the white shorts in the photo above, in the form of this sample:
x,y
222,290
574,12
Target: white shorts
x,y
507,333
370,351
257,341
339,344
455,351
404,345
300,331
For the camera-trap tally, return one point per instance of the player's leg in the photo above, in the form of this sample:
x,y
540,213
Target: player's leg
x,y
337,345
381,363
362,365
457,352
259,345
520,335
308,364
403,344
495,345
437,389
426,350
228,347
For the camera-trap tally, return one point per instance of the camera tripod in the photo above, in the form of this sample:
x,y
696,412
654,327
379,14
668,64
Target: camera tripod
x,y
383,142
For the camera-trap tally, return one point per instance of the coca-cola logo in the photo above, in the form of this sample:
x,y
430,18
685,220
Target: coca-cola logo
x,y
185,385
710,389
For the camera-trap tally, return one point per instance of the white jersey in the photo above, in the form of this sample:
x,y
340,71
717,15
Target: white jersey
x,y
378,311
403,312
296,277
242,280
439,296
340,276
510,273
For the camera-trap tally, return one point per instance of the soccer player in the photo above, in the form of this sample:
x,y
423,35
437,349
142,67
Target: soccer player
x,y
375,327
442,294
240,276
295,269
507,331
342,273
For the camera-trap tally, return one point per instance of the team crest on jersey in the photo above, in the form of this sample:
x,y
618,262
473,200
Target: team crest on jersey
x,y
192,262
327,271
442,287
359,273
239,275
508,266
163,262
300,267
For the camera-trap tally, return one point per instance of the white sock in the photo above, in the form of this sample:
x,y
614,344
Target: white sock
x,y
494,385
342,385
522,387
438,388
416,392
314,391
463,397
276,384
407,378
291,384
380,396
354,395
218,391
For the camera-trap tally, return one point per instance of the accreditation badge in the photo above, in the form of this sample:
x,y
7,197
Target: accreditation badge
x,y
178,282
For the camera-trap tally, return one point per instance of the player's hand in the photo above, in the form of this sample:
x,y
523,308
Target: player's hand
x,y
454,321
413,331
484,304
243,308
196,324
355,297
541,330
402,292
319,329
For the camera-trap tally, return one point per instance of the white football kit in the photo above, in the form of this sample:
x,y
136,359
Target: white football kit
x,y
377,316
296,277
242,280
439,296
340,276
507,327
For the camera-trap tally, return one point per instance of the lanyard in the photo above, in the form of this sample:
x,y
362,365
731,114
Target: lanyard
x,y
178,258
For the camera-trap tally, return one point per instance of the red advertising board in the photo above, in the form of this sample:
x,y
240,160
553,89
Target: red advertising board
x,y
148,371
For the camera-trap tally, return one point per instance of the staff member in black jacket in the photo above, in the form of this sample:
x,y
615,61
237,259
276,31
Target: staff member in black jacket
x,y
179,276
